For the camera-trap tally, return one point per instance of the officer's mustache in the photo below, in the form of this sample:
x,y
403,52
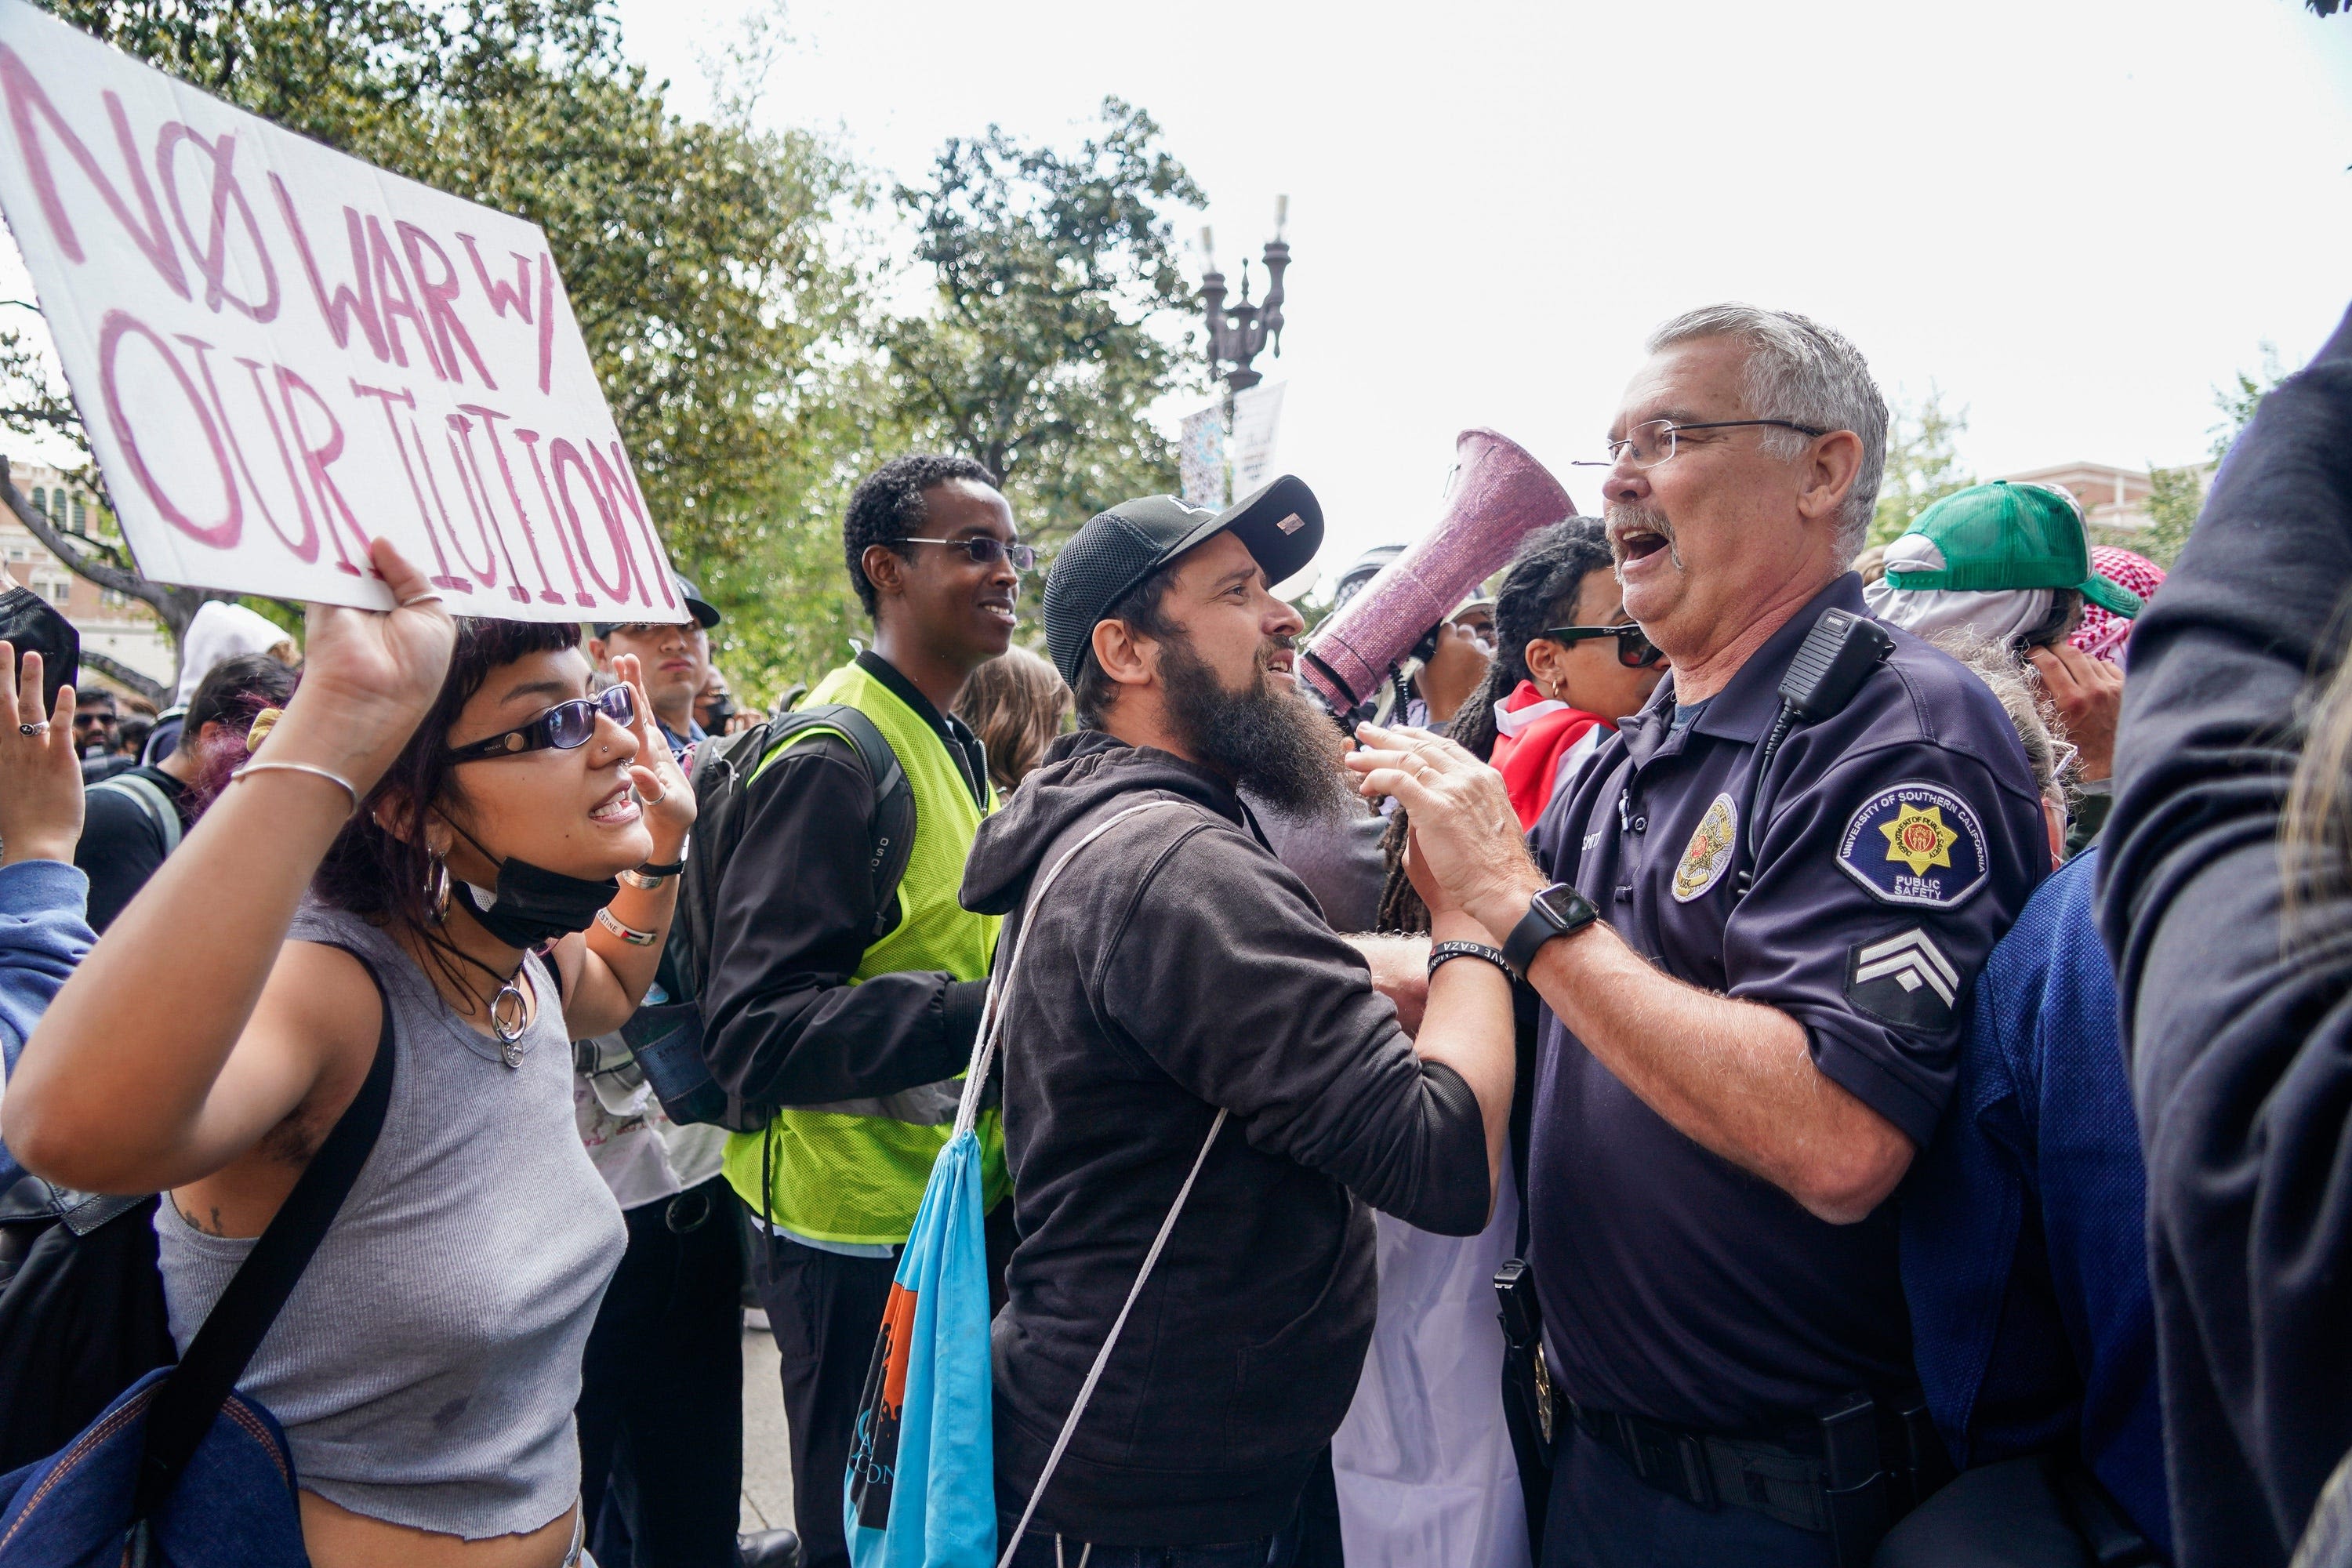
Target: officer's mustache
x,y
1635,529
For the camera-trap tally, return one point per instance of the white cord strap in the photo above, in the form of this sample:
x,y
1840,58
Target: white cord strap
x,y
992,1020
1102,1356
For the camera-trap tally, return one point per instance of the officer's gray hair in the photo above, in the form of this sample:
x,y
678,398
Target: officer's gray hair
x,y
1801,371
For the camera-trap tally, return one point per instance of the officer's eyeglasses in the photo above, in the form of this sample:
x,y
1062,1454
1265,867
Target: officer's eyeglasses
x,y
987,552
564,727
1652,443
1634,651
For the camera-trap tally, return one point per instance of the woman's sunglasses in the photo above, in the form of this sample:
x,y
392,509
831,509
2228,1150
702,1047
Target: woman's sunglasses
x,y
1634,651
565,726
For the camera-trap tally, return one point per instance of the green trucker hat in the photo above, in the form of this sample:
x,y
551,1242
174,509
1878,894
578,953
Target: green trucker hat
x,y
1999,537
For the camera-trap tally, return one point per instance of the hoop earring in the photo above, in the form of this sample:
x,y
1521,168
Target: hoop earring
x,y
436,888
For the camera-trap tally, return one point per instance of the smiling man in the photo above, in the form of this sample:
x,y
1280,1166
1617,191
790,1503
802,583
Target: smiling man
x,y
1174,977
1751,998
852,1008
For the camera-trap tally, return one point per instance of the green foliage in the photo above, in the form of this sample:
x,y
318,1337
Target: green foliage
x,y
1923,463
724,288
2177,495
2238,400
694,253
1054,278
2174,499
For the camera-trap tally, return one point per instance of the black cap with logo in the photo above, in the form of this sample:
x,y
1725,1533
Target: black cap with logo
x,y
706,614
1280,522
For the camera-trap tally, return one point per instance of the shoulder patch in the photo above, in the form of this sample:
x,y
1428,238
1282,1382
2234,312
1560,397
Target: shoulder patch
x,y
1904,979
1709,853
1914,844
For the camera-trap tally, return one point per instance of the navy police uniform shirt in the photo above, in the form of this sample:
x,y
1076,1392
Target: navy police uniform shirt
x,y
1901,837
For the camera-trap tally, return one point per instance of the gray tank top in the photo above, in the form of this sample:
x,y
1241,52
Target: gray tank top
x,y
427,1364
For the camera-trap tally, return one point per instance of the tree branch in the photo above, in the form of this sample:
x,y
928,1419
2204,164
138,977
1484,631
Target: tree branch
x,y
175,607
114,669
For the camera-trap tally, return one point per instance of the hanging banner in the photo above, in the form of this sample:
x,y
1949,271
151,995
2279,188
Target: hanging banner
x,y
1201,458
1257,425
281,353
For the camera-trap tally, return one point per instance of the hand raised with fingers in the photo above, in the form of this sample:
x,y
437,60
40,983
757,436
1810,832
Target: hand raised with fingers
x,y
662,789
369,677
40,774
1471,853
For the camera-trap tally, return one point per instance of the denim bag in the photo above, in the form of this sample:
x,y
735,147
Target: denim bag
x,y
182,1471
921,1487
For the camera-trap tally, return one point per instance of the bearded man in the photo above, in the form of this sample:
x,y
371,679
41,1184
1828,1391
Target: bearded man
x,y
1175,977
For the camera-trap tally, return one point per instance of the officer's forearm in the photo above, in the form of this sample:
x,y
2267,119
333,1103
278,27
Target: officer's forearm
x,y
1735,1077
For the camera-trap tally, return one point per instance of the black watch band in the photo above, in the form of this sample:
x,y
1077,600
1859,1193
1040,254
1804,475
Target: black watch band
x,y
1444,949
1556,910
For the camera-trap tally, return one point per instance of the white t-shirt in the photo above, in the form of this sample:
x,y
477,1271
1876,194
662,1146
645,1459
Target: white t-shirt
x,y
642,1154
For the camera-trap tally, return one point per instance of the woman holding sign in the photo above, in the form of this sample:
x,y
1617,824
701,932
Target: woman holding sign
x,y
456,807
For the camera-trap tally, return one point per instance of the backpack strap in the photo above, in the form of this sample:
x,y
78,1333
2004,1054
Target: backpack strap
x,y
892,841
188,1400
152,801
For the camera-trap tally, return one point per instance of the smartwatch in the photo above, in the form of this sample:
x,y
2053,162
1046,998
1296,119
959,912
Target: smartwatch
x,y
1557,911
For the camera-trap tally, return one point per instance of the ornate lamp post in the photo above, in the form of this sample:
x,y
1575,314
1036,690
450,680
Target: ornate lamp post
x,y
1239,333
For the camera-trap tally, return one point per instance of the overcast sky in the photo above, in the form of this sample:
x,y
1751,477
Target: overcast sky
x,y
2074,218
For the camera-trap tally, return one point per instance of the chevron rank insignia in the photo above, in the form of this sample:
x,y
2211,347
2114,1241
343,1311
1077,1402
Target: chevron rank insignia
x,y
1914,844
1904,979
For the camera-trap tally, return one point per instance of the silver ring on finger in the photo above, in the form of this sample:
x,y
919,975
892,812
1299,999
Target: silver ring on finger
x,y
40,728
644,799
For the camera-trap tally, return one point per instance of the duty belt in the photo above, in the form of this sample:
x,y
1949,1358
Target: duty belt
x,y
1870,1463
1700,1467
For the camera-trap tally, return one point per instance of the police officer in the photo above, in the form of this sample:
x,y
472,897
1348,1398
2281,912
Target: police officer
x,y
1750,1025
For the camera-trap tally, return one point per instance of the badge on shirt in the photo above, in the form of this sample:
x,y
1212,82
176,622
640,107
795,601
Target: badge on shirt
x,y
1904,979
1709,854
1914,844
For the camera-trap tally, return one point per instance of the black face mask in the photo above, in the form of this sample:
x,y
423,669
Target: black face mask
x,y
535,905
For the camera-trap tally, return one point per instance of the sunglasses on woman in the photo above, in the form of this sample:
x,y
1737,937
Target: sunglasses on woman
x,y
564,727
1634,651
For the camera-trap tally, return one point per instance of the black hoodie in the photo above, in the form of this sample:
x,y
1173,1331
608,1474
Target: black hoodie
x,y
2241,1039
1176,968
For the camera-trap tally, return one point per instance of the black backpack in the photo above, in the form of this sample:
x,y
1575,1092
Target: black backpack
x,y
666,1038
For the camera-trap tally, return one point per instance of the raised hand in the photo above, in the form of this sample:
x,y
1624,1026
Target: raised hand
x,y
1468,852
662,789
369,677
2089,693
40,775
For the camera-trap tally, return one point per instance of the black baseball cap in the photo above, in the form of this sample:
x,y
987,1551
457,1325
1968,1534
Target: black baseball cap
x,y
1281,522
706,614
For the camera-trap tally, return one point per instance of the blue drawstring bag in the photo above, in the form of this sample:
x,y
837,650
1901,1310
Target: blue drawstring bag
x,y
922,1490
921,1487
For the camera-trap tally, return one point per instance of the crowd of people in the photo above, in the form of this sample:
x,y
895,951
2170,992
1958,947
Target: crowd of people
x,y
1749,1050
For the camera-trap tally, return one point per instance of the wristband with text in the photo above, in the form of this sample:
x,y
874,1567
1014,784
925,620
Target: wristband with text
x,y
1444,949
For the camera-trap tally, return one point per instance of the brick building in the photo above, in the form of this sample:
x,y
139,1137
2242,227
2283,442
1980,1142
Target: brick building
x,y
109,623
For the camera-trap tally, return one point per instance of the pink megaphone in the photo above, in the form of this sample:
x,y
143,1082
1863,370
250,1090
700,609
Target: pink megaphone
x,y
1499,496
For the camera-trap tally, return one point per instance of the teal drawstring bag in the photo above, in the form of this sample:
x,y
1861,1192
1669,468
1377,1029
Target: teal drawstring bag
x,y
921,1487
922,1490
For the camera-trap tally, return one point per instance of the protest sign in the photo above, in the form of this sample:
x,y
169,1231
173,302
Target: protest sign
x,y
281,353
